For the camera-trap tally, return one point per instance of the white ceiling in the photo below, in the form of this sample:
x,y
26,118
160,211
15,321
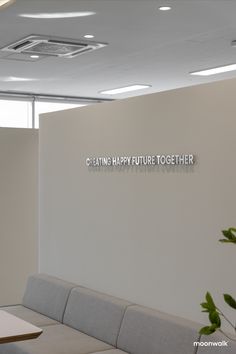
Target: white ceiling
x,y
146,46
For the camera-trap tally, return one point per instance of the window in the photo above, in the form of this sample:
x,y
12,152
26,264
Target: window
x,y
23,110
15,114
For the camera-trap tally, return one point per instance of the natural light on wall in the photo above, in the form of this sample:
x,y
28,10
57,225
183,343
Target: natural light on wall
x,y
46,107
5,3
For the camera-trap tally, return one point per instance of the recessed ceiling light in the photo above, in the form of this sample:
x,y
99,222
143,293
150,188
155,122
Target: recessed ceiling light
x,y
58,15
164,8
214,71
6,2
88,36
34,56
124,89
14,78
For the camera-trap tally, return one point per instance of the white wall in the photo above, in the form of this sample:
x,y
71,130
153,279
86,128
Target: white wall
x,y
146,235
18,211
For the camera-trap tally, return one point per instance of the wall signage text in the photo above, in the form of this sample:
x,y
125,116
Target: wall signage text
x,y
147,160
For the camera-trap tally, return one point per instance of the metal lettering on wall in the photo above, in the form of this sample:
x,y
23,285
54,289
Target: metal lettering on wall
x,y
147,160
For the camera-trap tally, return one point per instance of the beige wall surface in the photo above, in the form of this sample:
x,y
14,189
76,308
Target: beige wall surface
x,y
149,235
18,211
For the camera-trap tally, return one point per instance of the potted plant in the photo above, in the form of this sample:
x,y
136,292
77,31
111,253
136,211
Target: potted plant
x,y
215,314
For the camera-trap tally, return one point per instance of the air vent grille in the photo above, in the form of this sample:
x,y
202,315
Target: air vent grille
x,y
60,47
21,45
54,48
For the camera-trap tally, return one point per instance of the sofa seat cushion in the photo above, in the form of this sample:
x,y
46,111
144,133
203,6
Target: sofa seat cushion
x,y
112,351
221,348
30,316
148,331
96,314
47,295
57,339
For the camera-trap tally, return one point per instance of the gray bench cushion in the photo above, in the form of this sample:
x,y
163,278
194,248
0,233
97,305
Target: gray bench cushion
x,y
112,351
95,314
230,349
147,331
29,315
47,295
56,339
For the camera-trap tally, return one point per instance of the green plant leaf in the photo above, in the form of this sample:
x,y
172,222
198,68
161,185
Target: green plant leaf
x,y
228,234
227,241
232,229
230,301
208,330
210,302
205,306
215,318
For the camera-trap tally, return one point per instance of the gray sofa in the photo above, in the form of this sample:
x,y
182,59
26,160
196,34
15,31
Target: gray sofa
x,y
77,320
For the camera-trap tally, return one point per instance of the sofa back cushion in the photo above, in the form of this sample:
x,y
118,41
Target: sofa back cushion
x,y
47,295
149,331
95,314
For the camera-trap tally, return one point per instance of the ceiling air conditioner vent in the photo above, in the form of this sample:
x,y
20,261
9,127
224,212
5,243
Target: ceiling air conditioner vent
x,y
60,47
